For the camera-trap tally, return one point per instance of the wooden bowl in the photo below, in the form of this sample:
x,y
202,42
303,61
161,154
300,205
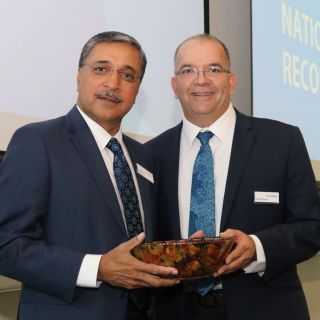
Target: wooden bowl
x,y
193,258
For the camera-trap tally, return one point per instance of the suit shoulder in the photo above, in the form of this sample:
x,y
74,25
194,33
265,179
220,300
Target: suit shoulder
x,y
43,126
39,132
271,123
272,133
266,127
162,140
139,148
275,129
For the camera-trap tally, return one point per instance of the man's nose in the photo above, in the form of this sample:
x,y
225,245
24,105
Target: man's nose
x,y
202,77
112,80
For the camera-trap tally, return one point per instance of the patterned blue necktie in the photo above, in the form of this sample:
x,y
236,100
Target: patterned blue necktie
x,y
202,204
126,189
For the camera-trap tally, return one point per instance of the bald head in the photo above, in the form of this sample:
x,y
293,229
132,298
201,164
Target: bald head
x,y
203,37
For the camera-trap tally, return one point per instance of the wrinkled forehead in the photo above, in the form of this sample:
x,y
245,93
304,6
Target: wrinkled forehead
x,y
201,51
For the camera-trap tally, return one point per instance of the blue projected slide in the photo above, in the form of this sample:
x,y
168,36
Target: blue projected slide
x,y
286,65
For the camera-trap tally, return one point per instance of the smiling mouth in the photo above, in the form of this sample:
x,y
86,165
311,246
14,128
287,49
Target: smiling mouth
x,y
109,95
202,94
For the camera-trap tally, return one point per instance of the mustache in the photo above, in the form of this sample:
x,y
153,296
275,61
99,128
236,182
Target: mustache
x,y
109,95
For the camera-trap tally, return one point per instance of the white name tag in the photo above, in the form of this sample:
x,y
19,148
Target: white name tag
x,y
145,173
266,197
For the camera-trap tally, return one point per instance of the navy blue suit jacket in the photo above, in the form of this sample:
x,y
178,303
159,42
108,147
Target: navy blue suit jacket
x,y
57,204
266,156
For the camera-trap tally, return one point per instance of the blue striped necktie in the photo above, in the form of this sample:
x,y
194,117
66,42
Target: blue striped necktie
x,y
126,189
202,204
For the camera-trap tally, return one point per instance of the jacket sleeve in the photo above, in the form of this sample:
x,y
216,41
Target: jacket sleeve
x,y
25,255
298,238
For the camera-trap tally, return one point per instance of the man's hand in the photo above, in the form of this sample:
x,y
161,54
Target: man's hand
x,y
243,253
197,234
119,268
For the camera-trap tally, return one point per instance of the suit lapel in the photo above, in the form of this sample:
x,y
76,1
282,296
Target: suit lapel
x,y
170,172
89,151
242,144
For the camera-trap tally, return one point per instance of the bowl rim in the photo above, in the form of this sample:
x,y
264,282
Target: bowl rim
x,y
204,240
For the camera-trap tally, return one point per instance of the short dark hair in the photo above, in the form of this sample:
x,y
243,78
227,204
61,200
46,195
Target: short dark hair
x,y
208,37
113,36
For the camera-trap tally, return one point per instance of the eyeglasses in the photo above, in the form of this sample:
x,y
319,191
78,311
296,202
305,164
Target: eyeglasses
x,y
212,72
105,70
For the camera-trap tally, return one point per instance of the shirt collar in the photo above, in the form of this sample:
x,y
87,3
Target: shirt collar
x,y
101,136
222,128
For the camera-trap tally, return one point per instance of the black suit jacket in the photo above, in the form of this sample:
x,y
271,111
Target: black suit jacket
x,y
266,156
57,204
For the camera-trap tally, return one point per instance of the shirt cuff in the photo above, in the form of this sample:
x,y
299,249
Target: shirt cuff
x,y
258,265
88,272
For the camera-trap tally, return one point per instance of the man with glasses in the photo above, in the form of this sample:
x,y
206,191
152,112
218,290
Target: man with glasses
x,y
225,174
76,195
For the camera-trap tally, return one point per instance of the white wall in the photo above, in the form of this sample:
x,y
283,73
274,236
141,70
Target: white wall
x,y
41,43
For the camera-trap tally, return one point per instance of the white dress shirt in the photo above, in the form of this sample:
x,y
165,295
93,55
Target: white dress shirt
x,y
87,276
221,144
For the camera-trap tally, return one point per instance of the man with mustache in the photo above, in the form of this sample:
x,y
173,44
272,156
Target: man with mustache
x,y
254,175
77,196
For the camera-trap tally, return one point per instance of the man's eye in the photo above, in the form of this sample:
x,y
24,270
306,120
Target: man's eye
x,y
214,69
100,70
187,71
127,75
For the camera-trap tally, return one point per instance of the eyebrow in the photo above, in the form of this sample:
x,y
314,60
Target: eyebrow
x,y
125,67
186,65
189,65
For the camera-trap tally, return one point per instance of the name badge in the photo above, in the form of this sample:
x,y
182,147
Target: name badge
x,y
145,173
266,197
